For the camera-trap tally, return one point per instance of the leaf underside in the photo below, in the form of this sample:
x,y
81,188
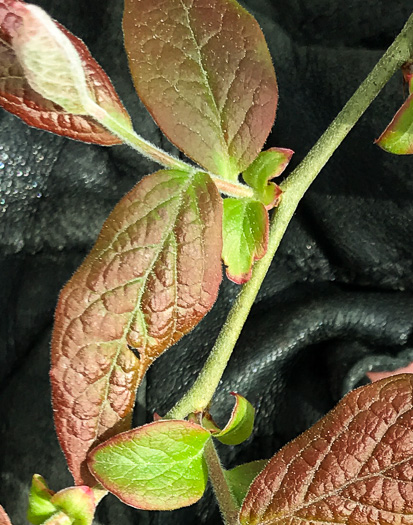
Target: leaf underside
x,y
152,275
397,138
205,74
159,466
354,467
18,97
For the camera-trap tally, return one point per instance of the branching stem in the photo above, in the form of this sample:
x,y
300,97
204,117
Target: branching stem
x,y
158,155
199,396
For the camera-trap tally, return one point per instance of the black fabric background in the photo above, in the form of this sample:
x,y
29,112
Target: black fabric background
x,y
338,299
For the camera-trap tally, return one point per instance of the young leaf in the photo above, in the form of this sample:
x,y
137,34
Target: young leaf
x,y
268,164
60,518
74,503
48,77
203,70
240,478
78,503
152,275
4,519
40,506
245,237
354,466
397,138
159,466
239,426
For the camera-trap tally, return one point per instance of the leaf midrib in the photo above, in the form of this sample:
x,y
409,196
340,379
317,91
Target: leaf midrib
x,y
207,85
333,493
136,310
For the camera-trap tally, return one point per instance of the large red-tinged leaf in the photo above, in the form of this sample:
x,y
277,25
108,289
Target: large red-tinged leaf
x,y
159,466
4,519
354,467
152,275
203,70
43,68
397,138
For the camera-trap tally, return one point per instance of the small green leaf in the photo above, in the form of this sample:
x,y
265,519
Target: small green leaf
x,y
159,466
40,506
397,138
268,164
74,505
240,478
245,237
240,425
78,503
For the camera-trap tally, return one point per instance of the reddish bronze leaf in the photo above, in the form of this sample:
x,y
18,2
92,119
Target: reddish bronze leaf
x,y
152,275
203,70
4,519
354,467
19,97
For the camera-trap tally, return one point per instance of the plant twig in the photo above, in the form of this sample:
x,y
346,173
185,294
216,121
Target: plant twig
x,y
295,186
226,500
152,152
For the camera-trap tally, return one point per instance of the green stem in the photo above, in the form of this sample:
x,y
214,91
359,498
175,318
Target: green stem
x,y
200,394
226,500
232,189
130,137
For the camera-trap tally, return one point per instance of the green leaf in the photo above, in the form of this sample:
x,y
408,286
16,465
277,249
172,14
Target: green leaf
x,y
245,237
203,70
59,518
78,503
268,164
397,138
159,466
152,275
40,506
240,478
239,426
74,505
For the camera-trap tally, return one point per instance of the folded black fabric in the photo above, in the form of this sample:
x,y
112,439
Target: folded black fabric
x,y
336,303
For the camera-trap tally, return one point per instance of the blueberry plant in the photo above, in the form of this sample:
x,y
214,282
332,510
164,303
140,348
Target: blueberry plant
x,y
204,72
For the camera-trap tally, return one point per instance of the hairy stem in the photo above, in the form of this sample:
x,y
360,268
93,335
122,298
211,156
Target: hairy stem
x,y
200,394
226,500
152,152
